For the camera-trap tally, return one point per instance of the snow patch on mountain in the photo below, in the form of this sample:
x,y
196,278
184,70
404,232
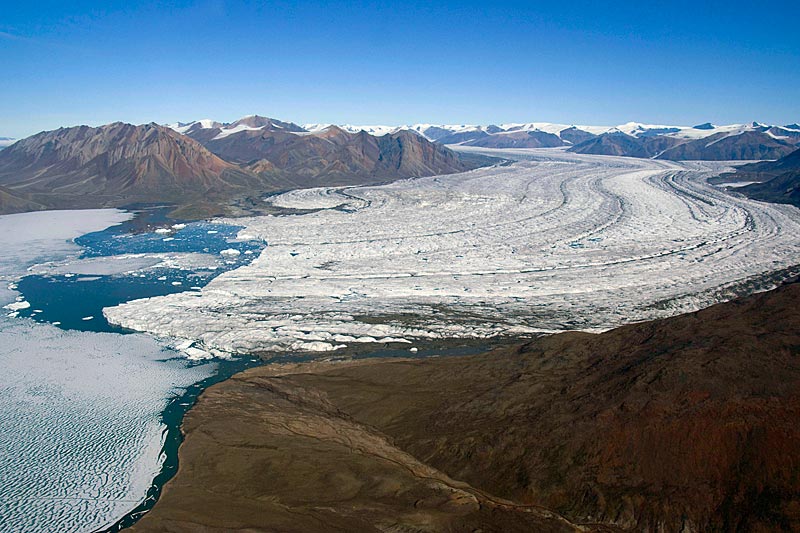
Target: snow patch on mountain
x,y
183,127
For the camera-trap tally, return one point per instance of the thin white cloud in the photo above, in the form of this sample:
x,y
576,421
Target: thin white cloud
x,y
13,36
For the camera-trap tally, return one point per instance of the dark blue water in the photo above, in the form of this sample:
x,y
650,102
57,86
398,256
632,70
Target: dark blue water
x,y
72,303
129,238
76,302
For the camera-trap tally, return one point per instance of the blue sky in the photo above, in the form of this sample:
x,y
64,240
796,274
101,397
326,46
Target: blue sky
x,y
68,63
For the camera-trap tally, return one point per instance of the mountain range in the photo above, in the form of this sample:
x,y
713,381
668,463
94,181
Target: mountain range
x,y
701,142
205,168
208,167
325,156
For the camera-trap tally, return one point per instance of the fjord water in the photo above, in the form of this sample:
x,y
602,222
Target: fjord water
x,y
74,301
88,415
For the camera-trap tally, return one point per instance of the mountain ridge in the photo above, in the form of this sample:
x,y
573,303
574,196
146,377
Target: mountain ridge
x,y
211,168
114,163
326,156
760,141
770,181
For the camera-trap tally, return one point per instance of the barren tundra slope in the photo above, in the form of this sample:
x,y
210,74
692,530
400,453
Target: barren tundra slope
x,y
330,156
554,241
680,424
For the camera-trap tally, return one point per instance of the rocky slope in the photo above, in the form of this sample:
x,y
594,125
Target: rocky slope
x,y
261,456
11,203
748,145
329,156
772,168
745,143
115,165
701,142
121,164
518,139
775,181
782,189
682,424
622,144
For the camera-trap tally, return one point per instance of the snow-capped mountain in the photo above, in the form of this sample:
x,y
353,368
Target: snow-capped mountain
x,y
205,167
437,132
376,130
6,141
183,127
703,141
221,130
323,154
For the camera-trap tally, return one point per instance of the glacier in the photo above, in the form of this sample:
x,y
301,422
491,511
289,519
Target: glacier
x,y
552,241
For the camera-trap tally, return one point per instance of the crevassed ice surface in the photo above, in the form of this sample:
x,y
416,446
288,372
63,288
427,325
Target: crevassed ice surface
x,y
80,434
553,241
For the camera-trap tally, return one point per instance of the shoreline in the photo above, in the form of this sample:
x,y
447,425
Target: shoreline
x,y
179,406
174,414
172,417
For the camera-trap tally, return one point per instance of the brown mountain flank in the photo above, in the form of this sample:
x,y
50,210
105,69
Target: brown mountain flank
x,y
333,156
682,424
774,181
119,164
115,165
723,146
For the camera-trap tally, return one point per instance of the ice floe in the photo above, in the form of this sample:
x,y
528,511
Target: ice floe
x,y
17,306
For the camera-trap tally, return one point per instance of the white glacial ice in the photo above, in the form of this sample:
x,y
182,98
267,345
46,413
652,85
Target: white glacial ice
x,y
553,241
127,264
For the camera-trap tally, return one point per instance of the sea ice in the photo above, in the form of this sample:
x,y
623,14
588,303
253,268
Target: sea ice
x,y
79,424
80,433
17,306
